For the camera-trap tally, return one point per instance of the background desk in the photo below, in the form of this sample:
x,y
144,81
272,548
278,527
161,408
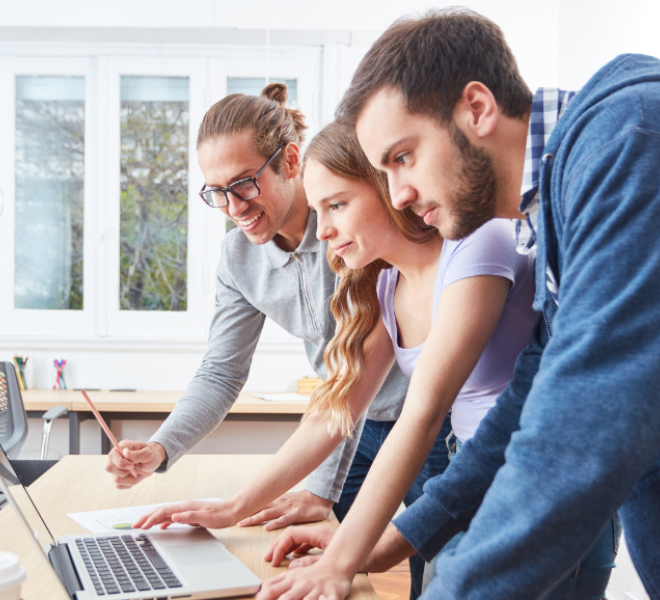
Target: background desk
x,y
79,483
145,405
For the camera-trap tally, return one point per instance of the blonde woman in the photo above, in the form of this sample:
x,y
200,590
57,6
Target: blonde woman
x,y
468,304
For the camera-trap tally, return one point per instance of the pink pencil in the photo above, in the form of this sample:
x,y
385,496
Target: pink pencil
x,y
105,427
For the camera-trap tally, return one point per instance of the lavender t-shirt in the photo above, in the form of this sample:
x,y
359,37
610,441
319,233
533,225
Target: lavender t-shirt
x,y
491,250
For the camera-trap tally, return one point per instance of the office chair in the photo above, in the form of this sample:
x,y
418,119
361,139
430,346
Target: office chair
x,y
13,418
14,426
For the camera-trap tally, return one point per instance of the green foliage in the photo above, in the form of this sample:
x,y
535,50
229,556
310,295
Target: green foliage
x,y
50,143
154,206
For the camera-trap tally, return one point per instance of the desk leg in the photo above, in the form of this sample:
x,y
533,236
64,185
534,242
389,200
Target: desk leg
x,y
106,444
74,432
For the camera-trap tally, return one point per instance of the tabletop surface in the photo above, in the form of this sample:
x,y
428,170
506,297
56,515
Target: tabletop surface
x,y
147,401
79,483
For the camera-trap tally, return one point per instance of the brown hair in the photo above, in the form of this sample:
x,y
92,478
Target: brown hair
x,y
431,59
273,124
355,302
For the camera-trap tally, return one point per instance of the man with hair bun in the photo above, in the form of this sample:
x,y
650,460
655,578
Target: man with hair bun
x,y
439,106
272,266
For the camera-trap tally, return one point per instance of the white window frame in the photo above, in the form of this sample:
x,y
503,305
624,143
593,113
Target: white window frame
x,y
207,68
146,323
16,321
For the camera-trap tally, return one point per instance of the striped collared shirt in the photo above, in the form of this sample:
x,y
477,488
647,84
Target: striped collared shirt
x,y
548,106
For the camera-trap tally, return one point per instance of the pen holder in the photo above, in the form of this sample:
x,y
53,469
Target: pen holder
x,y
20,363
21,377
60,383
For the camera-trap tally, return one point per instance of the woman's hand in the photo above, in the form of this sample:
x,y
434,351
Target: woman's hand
x,y
299,540
294,507
311,583
213,515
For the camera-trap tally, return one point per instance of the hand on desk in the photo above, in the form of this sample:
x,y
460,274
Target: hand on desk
x,y
142,457
299,540
294,507
213,515
311,583
312,577
391,549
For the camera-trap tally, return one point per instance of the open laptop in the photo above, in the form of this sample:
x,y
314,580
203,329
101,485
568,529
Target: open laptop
x,y
155,565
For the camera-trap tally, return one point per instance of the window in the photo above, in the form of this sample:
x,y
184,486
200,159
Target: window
x,y
50,150
102,233
252,86
154,193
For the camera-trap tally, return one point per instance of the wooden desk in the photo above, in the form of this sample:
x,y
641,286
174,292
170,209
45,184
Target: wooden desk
x,y
79,483
141,405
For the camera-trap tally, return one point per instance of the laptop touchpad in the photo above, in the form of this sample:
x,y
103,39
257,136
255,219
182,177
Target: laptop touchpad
x,y
198,554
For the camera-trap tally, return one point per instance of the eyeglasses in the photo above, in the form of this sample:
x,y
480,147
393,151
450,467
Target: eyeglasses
x,y
244,189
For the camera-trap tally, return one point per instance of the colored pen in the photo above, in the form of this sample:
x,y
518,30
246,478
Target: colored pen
x,y
105,427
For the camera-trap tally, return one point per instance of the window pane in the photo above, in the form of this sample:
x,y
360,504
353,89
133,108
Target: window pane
x,y
252,86
154,193
50,144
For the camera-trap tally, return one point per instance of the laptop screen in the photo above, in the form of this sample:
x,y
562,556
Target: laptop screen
x,y
27,511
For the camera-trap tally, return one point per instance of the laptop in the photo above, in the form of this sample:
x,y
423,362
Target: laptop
x,y
136,565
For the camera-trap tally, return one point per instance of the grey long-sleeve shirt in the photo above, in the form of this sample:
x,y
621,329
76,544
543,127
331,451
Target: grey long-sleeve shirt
x,y
294,290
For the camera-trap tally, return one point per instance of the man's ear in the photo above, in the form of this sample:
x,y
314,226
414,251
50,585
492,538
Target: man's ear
x,y
476,111
292,160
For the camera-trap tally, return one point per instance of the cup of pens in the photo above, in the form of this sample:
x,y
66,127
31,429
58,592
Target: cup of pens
x,y
20,362
59,384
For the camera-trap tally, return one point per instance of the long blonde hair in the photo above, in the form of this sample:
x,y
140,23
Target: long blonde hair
x,y
355,302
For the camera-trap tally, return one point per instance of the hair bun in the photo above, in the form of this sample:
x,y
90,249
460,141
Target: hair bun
x,y
276,92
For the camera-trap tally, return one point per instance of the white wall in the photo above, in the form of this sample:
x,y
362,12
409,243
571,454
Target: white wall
x,y
350,27
590,34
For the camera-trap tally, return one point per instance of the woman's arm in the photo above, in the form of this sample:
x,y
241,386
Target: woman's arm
x,y
305,450
467,316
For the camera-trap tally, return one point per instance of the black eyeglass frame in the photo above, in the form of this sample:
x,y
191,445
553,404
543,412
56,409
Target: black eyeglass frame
x,y
229,188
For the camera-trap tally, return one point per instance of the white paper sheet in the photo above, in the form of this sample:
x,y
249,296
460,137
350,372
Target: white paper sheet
x,y
287,397
119,519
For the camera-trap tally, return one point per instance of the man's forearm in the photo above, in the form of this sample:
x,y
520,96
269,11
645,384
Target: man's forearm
x,y
450,501
199,411
390,550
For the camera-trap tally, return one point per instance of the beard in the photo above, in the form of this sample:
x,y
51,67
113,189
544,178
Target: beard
x,y
475,199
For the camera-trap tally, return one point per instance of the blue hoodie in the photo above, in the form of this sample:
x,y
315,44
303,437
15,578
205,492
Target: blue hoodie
x,y
576,435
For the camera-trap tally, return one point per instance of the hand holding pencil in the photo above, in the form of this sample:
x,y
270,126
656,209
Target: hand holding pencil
x,y
105,427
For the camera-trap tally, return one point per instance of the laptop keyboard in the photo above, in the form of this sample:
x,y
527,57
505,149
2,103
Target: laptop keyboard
x,y
125,564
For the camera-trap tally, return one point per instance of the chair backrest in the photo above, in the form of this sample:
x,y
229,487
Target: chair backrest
x,y
13,419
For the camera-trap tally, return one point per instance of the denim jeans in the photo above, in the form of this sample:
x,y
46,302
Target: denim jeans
x,y
588,581
373,437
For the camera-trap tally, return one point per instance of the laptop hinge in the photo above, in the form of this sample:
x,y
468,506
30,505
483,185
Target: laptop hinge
x,y
60,558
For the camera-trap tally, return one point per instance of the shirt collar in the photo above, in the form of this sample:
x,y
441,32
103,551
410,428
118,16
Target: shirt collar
x,y
277,257
548,106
